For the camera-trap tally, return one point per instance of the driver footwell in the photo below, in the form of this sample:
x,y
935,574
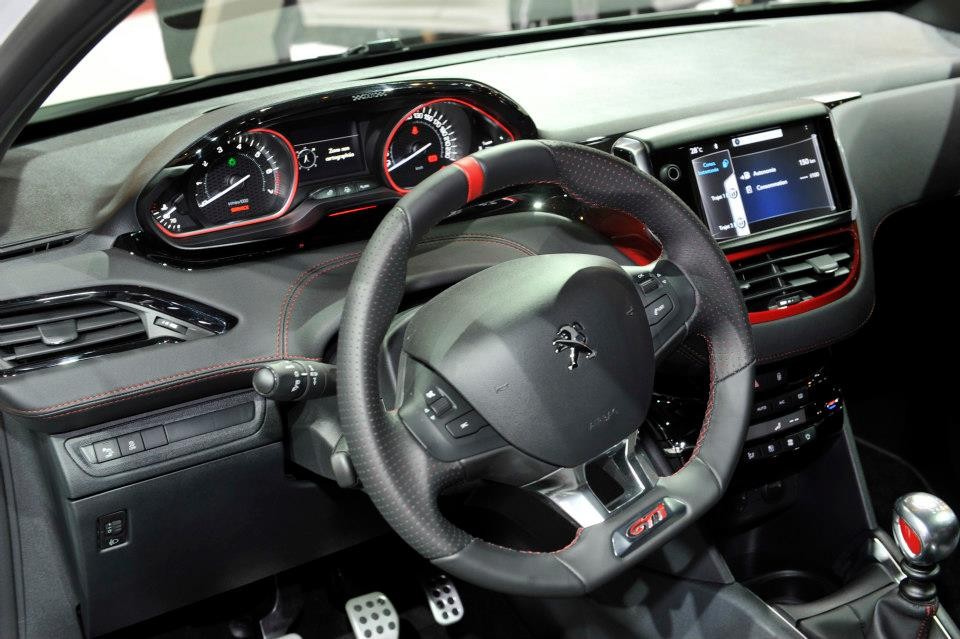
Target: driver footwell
x,y
323,587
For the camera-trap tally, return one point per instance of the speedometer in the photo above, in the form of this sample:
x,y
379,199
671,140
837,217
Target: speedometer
x,y
434,135
248,176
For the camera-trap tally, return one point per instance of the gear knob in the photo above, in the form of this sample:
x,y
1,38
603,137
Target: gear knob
x,y
925,528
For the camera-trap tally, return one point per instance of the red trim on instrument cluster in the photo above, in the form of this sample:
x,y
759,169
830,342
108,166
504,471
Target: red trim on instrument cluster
x,y
761,317
396,127
475,177
356,210
257,220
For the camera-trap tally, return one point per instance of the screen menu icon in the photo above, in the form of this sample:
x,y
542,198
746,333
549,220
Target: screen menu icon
x,y
720,194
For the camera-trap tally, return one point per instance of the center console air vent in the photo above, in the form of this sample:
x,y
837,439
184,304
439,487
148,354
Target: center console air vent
x,y
788,273
59,329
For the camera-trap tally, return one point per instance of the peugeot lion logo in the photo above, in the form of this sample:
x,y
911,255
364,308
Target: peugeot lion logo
x,y
570,337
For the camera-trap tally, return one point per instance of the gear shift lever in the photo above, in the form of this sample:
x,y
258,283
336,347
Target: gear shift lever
x,y
926,530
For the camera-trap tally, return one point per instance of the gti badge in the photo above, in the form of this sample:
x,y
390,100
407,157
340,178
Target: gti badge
x,y
571,338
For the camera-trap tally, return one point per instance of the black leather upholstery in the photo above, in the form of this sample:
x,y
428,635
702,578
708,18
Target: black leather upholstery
x,y
895,617
404,482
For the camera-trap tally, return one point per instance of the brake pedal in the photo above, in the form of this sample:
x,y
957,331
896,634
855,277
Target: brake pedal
x,y
443,599
372,616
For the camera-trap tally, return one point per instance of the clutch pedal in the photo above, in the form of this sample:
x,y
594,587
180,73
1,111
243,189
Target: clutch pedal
x,y
372,616
443,599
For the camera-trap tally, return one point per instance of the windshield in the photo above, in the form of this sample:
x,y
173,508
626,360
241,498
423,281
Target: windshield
x,y
168,41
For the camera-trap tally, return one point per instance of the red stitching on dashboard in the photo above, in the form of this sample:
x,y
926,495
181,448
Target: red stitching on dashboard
x,y
286,297
159,380
289,300
237,371
301,286
475,237
821,344
291,304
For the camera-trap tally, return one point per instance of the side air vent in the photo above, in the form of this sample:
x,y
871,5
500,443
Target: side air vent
x,y
42,332
64,330
791,273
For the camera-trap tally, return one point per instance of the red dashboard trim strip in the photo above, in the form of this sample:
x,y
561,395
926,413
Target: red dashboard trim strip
x,y
761,317
393,132
256,220
354,210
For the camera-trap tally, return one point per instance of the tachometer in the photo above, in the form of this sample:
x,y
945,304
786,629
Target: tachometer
x,y
171,214
434,135
252,175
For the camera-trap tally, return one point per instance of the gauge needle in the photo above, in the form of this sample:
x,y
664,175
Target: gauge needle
x,y
397,165
225,191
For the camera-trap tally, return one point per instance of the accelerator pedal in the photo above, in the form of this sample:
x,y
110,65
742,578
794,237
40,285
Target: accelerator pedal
x,y
372,616
443,599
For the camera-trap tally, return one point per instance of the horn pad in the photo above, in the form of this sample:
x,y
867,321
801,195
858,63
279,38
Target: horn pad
x,y
554,351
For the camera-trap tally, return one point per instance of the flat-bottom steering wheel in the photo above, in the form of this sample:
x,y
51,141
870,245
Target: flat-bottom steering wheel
x,y
541,365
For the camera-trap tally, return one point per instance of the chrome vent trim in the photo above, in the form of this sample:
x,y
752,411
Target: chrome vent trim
x,y
66,327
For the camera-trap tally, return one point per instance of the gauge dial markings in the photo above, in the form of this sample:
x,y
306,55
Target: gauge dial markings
x,y
236,180
217,196
399,163
453,128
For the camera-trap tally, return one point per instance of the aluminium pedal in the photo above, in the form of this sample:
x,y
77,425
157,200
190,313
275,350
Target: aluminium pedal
x,y
372,616
443,599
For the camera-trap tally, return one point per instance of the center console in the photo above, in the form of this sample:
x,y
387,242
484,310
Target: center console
x,y
769,185
796,404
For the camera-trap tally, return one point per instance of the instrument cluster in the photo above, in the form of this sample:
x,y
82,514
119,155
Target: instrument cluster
x,y
287,168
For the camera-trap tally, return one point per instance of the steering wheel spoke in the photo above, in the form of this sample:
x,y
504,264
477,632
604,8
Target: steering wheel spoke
x,y
592,492
440,417
669,301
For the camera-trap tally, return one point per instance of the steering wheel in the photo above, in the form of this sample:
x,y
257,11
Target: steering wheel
x,y
532,370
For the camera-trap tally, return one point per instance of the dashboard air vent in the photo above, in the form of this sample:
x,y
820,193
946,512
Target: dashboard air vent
x,y
53,332
789,273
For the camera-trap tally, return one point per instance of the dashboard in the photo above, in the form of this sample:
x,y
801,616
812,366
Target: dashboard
x,y
288,182
308,171
283,168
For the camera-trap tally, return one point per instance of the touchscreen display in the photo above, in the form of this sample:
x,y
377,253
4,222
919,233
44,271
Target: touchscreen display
x,y
760,180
